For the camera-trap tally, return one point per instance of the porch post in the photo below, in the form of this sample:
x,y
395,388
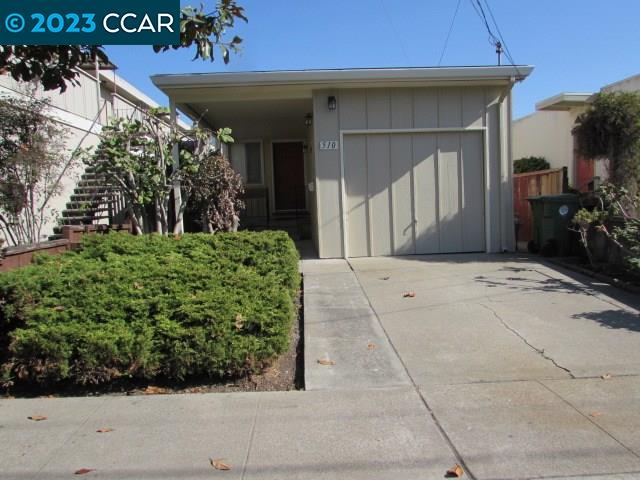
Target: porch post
x,y
175,153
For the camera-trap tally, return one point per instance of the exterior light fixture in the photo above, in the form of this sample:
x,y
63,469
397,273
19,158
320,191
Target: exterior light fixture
x,y
332,103
308,119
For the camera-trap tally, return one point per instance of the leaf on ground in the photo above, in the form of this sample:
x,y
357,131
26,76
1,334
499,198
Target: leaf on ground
x,y
606,376
385,278
372,346
37,418
409,294
454,472
595,414
104,430
58,308
83,471
153,390
239,322
326,361
219,464
137,286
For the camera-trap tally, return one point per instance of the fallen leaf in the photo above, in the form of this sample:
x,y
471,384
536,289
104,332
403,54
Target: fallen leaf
x,y
606,376
409,294
454,472
137,286
83,471
326,361
153,390
372,346
37,418
385,278
595,414
239,322
104,430
218,464
58,308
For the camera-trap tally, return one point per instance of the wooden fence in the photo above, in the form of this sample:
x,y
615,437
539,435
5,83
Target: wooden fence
x,y
22,255
533,184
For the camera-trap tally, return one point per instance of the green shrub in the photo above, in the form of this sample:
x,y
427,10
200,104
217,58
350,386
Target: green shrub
x,y
150,306
530,164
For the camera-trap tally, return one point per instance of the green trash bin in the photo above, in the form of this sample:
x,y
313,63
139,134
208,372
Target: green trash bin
x,y
552,215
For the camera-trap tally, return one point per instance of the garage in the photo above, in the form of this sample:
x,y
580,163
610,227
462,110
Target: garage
x,y
413,193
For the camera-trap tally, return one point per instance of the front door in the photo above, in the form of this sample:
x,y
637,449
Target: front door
x,y
288,176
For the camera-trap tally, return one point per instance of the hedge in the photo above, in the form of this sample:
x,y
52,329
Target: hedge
x,y
149,307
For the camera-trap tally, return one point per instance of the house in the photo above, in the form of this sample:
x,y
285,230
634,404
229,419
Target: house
x,y
547,133
385,161
82,111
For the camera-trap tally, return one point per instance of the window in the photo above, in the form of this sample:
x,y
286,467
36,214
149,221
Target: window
x,y
246,159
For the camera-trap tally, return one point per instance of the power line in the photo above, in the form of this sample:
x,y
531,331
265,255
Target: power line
x,y
504,43
395,31
446,41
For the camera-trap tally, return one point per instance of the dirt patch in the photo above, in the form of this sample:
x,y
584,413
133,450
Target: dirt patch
x,y
284,374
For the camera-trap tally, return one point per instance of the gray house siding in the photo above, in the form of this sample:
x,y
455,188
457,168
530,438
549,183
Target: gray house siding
x,y
427,171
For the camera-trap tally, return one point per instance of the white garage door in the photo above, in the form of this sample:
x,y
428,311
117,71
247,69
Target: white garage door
x,y
414,193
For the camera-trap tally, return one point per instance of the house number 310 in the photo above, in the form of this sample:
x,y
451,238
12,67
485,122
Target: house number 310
x,y
328,145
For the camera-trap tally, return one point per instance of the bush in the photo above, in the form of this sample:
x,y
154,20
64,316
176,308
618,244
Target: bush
x,y
530,164
150,306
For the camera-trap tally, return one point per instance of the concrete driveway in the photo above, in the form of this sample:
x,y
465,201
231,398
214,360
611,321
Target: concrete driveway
x,y
528,371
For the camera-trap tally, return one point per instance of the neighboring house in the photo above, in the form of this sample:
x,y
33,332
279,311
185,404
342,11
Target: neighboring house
x,y
82,111
385,161
547,133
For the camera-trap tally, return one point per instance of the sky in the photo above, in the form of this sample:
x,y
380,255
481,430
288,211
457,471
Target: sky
x,y
575,45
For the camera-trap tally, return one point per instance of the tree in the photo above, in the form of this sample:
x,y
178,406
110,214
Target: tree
x,y
54,66
610,130
32,164
136,157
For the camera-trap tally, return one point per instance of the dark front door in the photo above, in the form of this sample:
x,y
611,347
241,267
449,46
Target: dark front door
x,y
288,176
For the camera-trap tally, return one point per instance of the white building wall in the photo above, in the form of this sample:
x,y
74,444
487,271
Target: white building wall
x,y
545,134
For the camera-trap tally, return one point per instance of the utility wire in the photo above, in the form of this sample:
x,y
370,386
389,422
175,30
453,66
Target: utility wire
x,y
395,31
497,41
446,41
504,43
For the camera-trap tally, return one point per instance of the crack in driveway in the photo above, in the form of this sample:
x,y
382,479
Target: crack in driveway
x,y
540,351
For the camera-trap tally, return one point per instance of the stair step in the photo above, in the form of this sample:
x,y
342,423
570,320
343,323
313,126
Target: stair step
x,y
94,183
89,197
74,213
94,190
82,220
88,203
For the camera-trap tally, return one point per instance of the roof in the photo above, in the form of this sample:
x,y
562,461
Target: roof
x,y
564,101
629,84
341,77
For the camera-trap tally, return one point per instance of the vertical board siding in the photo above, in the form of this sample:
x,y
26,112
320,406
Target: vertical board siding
x,y
473,237
449,108
402,108
425,164
357,208
378,182
328,174
425,108
412,192
449,192
402,201
378,109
